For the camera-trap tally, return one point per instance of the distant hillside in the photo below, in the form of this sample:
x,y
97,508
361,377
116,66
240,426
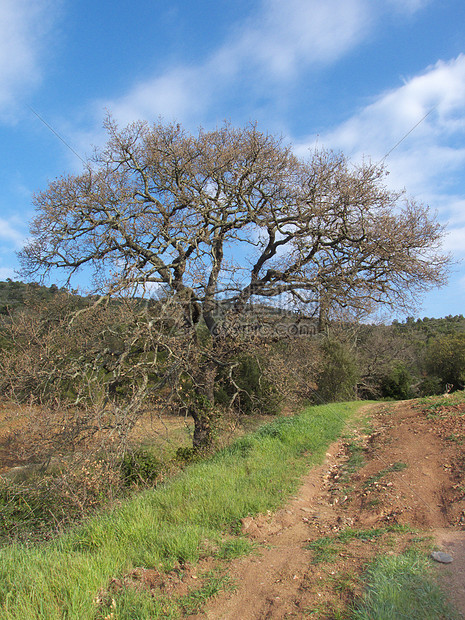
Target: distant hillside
x,y
15,294
427,329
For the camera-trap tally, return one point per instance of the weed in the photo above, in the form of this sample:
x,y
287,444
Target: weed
x,y
326,548
36,505
433,406
193,602
234,548
455,438
345,583
356,458
140,467
309,612
187,455
399,466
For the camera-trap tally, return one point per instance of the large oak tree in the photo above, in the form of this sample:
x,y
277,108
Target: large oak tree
x,y
227,217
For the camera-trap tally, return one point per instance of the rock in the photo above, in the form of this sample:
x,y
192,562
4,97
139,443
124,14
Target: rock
x,y
440,556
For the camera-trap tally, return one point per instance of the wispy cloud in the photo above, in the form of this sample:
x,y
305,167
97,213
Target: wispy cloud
x,y
7,272
12,232
24,25
288,36
269,49
408,6
421,124
436,100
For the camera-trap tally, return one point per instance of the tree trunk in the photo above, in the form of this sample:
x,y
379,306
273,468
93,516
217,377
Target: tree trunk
x,y
203,435
322,316
203,409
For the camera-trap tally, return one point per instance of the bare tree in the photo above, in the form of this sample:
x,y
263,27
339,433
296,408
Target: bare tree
x,y
224,218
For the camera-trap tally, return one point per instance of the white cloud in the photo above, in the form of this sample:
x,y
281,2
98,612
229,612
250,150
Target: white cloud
x,y
7,272
267,50
11,232
23,28
455,241
173,95
297,33
420,124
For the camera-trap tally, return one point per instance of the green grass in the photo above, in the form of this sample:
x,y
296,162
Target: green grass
x,y
326,548
398,466
356,458
433,405
402,586
194,515
193,602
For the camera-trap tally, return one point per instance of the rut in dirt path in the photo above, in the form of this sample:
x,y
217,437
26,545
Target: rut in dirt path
x,y
409,477
270,581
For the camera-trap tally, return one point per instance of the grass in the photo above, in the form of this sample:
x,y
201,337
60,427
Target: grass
x,y
395,586
193,602
398,466
402,586
434,405
356,458
355,446
326,548
194,515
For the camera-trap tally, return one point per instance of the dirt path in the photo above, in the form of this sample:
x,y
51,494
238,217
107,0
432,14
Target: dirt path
x,y
404,470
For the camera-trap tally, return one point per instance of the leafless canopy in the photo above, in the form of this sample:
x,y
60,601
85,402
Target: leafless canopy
x,y
231,215
216,221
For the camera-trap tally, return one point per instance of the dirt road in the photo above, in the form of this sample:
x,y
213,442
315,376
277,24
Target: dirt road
x,y
394,483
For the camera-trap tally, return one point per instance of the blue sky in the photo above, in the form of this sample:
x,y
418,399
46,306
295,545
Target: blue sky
x,y
352,75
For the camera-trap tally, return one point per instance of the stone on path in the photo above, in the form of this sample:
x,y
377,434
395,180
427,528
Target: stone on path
x,y
440,556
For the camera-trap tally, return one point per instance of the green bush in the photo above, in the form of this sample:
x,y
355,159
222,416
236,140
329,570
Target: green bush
x,y
339,373
186,455
397,384
140,466
446,360
430,386
257,394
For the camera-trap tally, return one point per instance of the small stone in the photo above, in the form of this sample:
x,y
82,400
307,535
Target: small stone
x,y
440,556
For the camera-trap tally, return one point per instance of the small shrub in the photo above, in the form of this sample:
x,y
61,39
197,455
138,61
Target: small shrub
x,y
339,373
446,359
430,386
37,505
140,466
186,455
257,393
397,383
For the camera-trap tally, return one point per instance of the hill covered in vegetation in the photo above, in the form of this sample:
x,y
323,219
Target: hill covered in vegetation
x,y
414,357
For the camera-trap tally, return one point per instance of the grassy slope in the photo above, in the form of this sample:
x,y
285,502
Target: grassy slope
x,y
176,522
402,586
